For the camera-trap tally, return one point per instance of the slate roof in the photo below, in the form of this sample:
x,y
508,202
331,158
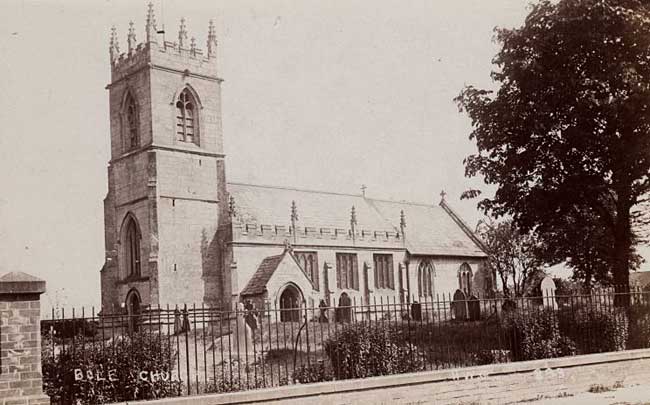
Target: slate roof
x,y
257,284
430,229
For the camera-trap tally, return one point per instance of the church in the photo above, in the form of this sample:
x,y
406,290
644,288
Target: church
x,y
178,232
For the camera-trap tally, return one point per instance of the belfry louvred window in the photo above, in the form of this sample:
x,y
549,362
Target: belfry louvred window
x,y
186,118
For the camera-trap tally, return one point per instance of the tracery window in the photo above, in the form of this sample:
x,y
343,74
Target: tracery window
x,y
309,263
347,271
425,279
186,118
465,279
384,275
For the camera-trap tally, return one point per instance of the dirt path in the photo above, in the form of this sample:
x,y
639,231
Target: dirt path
x,y
633,395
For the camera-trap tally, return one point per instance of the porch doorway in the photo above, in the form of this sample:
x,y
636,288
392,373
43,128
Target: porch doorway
x,y
290,304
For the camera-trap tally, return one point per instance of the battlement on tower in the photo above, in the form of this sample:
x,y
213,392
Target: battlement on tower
x,y
181,55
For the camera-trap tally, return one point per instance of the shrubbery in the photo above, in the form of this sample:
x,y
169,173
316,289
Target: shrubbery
x,y
596,330
536,335
365,350
121,369
639,327
313,373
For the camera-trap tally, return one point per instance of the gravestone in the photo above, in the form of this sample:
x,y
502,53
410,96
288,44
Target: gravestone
x,y
459,306
416,311
474,307
548,292
241,341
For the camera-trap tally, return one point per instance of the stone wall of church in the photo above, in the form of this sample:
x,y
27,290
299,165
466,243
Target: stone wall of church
x,y
445,281
188,214
249,257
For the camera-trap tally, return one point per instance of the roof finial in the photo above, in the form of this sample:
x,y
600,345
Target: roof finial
x,y
212,41
294,219
402,220
131,38
150,28
363,190
232,208
287,246
114,47
443,194
193,46
353,222
182,34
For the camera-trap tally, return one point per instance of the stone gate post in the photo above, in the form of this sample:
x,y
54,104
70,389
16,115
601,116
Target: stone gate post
x,y
21,379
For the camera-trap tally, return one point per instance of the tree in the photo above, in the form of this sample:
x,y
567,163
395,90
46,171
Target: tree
x,y
512,255
566,137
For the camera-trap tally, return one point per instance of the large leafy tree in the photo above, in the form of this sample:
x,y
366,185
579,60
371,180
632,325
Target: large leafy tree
x,y
512,255
566,137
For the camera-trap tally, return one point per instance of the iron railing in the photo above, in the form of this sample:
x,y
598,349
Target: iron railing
x,y
91,356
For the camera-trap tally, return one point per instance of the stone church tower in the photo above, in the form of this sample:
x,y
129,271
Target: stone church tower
x,y
166,174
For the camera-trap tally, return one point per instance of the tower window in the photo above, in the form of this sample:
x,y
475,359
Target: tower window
x,y
186,118
132,140
132,249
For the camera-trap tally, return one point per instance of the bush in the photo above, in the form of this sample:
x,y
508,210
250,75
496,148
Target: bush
x,y
595,329
98,372
365,350
639,327
313,373
536,334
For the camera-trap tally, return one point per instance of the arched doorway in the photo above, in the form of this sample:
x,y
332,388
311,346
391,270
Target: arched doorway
x,y
133,303
290,304
344,310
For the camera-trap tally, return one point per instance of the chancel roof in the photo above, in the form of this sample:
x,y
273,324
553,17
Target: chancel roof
x,y
325,218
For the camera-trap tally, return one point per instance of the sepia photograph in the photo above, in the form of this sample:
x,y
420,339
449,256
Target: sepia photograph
x,y
325,202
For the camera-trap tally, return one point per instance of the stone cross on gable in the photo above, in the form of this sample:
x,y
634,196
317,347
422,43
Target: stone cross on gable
x,y
363,190
443,194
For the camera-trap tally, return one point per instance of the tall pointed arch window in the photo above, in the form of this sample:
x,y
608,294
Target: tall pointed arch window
x,y
425,279
465,279
186,118
132,139
132,249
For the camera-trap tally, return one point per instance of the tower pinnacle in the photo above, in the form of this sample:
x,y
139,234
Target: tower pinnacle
x,y
150,28
131,38
114,47
182,34
212,41
193,46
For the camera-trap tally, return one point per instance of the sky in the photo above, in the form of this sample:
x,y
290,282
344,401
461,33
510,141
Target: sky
x,y
324,95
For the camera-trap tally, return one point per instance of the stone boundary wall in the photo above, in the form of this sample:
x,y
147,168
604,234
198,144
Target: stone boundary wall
x,y
490,384
21,380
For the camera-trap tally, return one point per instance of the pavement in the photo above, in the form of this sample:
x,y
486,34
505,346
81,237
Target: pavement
x,y
632,395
